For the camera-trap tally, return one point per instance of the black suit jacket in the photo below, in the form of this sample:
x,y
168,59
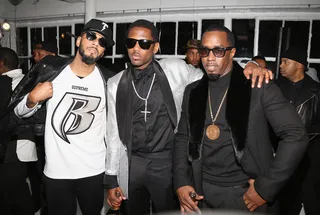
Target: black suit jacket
x,y
248,112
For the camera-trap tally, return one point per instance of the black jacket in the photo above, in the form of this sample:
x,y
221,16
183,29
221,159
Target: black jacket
x,y
46,70
248,112
307,104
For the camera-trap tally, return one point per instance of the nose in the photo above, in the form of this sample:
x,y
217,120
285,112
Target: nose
x,y
281,65
136,46
211,56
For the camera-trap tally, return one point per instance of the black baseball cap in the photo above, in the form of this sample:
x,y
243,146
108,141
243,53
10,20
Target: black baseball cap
x,y
101,27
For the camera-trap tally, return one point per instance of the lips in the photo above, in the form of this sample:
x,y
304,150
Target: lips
x,y
136,56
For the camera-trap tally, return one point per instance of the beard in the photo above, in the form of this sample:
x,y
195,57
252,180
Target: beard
x,y
87,59
213,77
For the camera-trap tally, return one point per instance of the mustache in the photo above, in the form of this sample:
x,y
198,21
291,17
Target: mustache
x,y
93,48
136,53
211,64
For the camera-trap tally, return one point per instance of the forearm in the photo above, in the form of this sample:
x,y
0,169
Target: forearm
x,y
23,111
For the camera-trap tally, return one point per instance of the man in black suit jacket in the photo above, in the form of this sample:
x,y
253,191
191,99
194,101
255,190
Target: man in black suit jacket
x,y
223,132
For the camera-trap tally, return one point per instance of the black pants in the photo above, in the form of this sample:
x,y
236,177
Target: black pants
x,y
63,193
15,197
226,198
304,185
150,186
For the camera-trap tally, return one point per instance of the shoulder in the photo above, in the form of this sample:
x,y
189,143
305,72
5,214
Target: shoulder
x,y
114,80
175,64
192,86
54,61
312,84
107,73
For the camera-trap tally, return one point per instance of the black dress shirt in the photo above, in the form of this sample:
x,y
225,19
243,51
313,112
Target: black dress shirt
x,y
154,137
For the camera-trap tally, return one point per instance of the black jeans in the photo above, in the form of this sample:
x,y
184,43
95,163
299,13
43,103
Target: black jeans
x,y
63,193
15,196
226,198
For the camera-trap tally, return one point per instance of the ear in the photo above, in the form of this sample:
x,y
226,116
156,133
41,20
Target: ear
x,y
78,41
156,48
232,53
299,65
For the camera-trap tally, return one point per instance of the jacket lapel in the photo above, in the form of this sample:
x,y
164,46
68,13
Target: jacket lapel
x,y
197,116
238,109
124,107
167,93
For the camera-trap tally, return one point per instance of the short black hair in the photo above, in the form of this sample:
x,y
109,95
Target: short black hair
x,y
259,57
9,58
145,24
230,35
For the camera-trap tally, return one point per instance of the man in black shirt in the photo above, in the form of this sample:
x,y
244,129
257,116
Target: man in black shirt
x,y
304,94
223,132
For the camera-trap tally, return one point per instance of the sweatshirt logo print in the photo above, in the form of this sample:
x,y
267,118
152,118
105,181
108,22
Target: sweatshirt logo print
x,y
74,114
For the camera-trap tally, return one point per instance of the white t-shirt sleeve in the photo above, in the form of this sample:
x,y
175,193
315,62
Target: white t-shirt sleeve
x,y
22,111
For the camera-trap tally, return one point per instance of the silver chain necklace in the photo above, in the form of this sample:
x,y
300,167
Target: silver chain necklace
x,y
145,112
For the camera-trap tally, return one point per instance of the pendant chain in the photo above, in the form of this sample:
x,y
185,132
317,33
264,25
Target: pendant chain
x,y
209,99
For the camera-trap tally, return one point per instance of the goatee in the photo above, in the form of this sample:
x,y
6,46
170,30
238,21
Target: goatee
x,y
213,77
88,59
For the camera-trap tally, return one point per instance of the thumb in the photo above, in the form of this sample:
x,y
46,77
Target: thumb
x,y
199,197
121,194
251,181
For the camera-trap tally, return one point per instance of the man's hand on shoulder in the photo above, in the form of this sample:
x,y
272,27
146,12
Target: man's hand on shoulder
x,y
251,198
40,93
253,71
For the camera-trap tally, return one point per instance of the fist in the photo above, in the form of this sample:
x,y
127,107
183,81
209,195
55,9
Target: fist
x,y
40,93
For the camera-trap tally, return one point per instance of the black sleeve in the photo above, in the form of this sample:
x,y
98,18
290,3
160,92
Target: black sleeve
x,y
180,150
287,125
110,181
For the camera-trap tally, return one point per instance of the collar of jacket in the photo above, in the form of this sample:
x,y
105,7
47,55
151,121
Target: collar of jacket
x,y
237,112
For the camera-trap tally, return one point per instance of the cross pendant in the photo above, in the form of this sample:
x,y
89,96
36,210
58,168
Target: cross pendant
x,y
145,111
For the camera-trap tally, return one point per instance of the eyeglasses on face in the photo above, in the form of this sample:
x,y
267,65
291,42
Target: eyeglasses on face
x,y
144,44
218,51
91,36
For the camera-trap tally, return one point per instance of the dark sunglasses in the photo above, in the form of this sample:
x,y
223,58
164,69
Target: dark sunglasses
x,y
218,52
144,44
90,35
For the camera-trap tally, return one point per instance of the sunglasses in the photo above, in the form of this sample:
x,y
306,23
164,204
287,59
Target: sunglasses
x,y
91,36
218,52
144,44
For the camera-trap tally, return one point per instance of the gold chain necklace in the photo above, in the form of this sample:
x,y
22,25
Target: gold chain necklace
x,y
213,131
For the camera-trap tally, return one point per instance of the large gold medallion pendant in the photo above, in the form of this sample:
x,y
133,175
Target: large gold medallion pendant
x,y
213,132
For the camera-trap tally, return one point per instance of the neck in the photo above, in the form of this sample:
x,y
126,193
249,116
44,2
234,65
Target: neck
x,y
228,69
80,68
143,66
297,77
